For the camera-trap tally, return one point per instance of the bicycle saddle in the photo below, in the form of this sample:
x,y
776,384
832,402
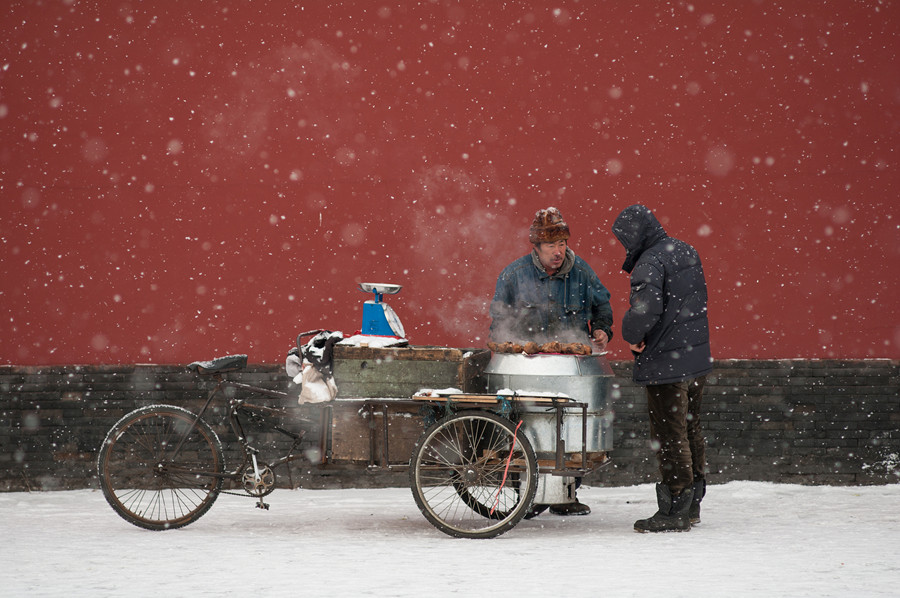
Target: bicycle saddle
x,y
219,365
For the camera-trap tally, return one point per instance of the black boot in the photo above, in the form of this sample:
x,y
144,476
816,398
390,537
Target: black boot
x,y
571,508
672,515
535,510
699,492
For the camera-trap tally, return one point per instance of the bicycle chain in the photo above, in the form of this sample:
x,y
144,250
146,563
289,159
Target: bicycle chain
x,y
244,494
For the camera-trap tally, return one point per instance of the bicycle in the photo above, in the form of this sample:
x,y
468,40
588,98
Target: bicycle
x,y
162,467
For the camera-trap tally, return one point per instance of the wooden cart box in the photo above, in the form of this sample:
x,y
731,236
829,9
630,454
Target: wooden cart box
x,y
359,434
362,372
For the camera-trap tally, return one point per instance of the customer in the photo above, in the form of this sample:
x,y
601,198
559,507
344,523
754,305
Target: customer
x,y
551,295
667,329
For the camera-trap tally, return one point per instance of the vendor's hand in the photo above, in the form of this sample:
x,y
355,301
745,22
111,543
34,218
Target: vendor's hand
x,y
638,348
600,339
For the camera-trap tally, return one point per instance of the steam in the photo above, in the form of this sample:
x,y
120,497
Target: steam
x,y
453,239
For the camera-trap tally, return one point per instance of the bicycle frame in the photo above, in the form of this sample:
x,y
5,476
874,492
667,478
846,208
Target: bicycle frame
x,y
248,452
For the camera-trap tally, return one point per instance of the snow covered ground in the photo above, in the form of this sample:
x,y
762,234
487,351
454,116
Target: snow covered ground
x,y
756,539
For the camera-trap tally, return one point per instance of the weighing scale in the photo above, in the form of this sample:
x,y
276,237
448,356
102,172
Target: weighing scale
x,y
378,318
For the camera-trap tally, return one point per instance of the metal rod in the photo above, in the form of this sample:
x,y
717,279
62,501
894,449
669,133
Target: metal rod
x,y
584,435
213,392
560,444
325,436
371,413
384,432
255,389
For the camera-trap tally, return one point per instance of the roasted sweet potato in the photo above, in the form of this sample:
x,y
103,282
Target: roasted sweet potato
x,y
551,347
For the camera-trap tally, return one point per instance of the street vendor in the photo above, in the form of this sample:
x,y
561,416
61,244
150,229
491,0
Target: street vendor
x,y
549,295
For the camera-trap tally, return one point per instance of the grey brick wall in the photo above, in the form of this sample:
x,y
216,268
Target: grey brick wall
x,y
795,421
811,422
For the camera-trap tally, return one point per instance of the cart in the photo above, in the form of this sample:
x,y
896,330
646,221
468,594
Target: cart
x,y
480,457
473,470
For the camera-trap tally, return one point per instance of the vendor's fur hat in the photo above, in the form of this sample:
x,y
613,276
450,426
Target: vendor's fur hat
x,y
548,227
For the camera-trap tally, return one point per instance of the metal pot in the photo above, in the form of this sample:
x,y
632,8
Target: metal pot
x,y
583,378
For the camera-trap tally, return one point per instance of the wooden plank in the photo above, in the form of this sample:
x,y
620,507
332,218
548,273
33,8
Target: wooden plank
x,y
424,373
398,373
402,353
573,461
491,398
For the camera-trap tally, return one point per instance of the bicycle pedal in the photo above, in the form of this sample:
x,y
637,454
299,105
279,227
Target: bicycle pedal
x,y
262,505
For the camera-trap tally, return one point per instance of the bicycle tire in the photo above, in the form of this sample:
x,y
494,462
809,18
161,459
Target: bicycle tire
x,y
149,486
470,478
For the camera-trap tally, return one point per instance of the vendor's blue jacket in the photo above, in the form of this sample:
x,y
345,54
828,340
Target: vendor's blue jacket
x,y
668,301
530,305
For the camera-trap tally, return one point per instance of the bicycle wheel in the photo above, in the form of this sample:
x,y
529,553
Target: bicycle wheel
x,y
472,476
143,478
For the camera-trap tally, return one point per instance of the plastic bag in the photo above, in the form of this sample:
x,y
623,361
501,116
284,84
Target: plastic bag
x,y
315,388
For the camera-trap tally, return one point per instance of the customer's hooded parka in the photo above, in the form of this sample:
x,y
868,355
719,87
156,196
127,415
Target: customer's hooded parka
x,y
668,301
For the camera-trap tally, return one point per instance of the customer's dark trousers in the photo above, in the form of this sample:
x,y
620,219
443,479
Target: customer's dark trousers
x,y
675,431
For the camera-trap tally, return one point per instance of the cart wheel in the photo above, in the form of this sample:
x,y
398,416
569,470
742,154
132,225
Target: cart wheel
x,y
472,476
143,479
483,505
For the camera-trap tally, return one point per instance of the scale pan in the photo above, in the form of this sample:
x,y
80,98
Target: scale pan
x,y
380,287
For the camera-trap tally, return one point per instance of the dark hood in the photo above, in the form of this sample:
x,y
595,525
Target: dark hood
x,y
637,229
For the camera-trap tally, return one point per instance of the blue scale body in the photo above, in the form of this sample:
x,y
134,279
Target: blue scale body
x,y
374,321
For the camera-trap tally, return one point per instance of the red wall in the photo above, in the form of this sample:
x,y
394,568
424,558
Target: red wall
x,y
185,181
